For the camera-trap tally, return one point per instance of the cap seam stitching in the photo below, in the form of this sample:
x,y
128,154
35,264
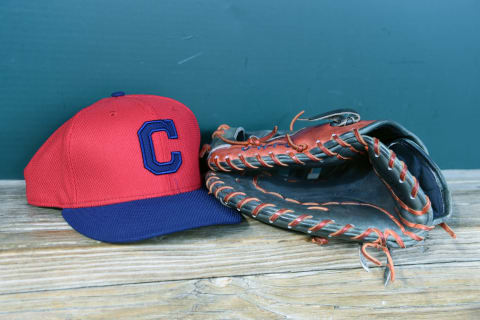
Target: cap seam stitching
x,y
69,160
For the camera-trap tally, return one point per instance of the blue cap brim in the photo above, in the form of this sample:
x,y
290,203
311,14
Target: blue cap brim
x,y
143,219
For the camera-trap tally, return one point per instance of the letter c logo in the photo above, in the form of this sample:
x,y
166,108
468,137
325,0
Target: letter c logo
x,y
148,152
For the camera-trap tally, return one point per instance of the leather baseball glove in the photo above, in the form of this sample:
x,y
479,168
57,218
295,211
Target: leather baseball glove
x,y
372,182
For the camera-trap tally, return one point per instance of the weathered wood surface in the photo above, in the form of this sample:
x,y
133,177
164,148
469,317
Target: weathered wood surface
x,y
251,270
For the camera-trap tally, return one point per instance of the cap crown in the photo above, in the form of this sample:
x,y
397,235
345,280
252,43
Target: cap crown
x,y
116,150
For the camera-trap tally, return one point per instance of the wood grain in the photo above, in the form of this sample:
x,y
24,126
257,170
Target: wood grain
x,y
250,270
436,291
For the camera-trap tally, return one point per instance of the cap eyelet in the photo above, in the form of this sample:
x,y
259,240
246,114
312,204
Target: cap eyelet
x,y
118,94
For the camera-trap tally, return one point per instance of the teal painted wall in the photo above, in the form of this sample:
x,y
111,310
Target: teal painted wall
x,y
252,63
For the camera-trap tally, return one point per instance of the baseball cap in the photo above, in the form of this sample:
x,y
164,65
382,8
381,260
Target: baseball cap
x,y
126,169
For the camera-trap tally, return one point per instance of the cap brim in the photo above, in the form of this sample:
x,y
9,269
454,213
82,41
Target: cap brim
x,y
143,219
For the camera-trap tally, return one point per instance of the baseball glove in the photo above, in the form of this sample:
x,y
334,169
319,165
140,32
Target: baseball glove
x,y
372,182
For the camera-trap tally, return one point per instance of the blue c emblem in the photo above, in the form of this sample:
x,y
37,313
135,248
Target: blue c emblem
x,y
148,152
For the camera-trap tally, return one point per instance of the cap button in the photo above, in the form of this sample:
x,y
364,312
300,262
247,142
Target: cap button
x,y
118,94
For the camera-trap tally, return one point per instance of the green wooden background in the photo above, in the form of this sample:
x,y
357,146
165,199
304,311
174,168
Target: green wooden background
x,y
253,63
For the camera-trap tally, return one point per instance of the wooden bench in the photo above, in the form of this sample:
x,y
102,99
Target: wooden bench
x,y
250,270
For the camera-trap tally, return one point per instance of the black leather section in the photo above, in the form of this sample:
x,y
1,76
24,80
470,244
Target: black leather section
x,y
352,193
428,174
346,182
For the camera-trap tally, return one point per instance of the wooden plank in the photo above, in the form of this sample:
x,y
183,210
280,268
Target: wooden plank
x,y
443,291
46,268
175,259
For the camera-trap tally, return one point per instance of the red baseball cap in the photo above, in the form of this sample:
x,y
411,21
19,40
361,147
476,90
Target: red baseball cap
x,y
126,169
